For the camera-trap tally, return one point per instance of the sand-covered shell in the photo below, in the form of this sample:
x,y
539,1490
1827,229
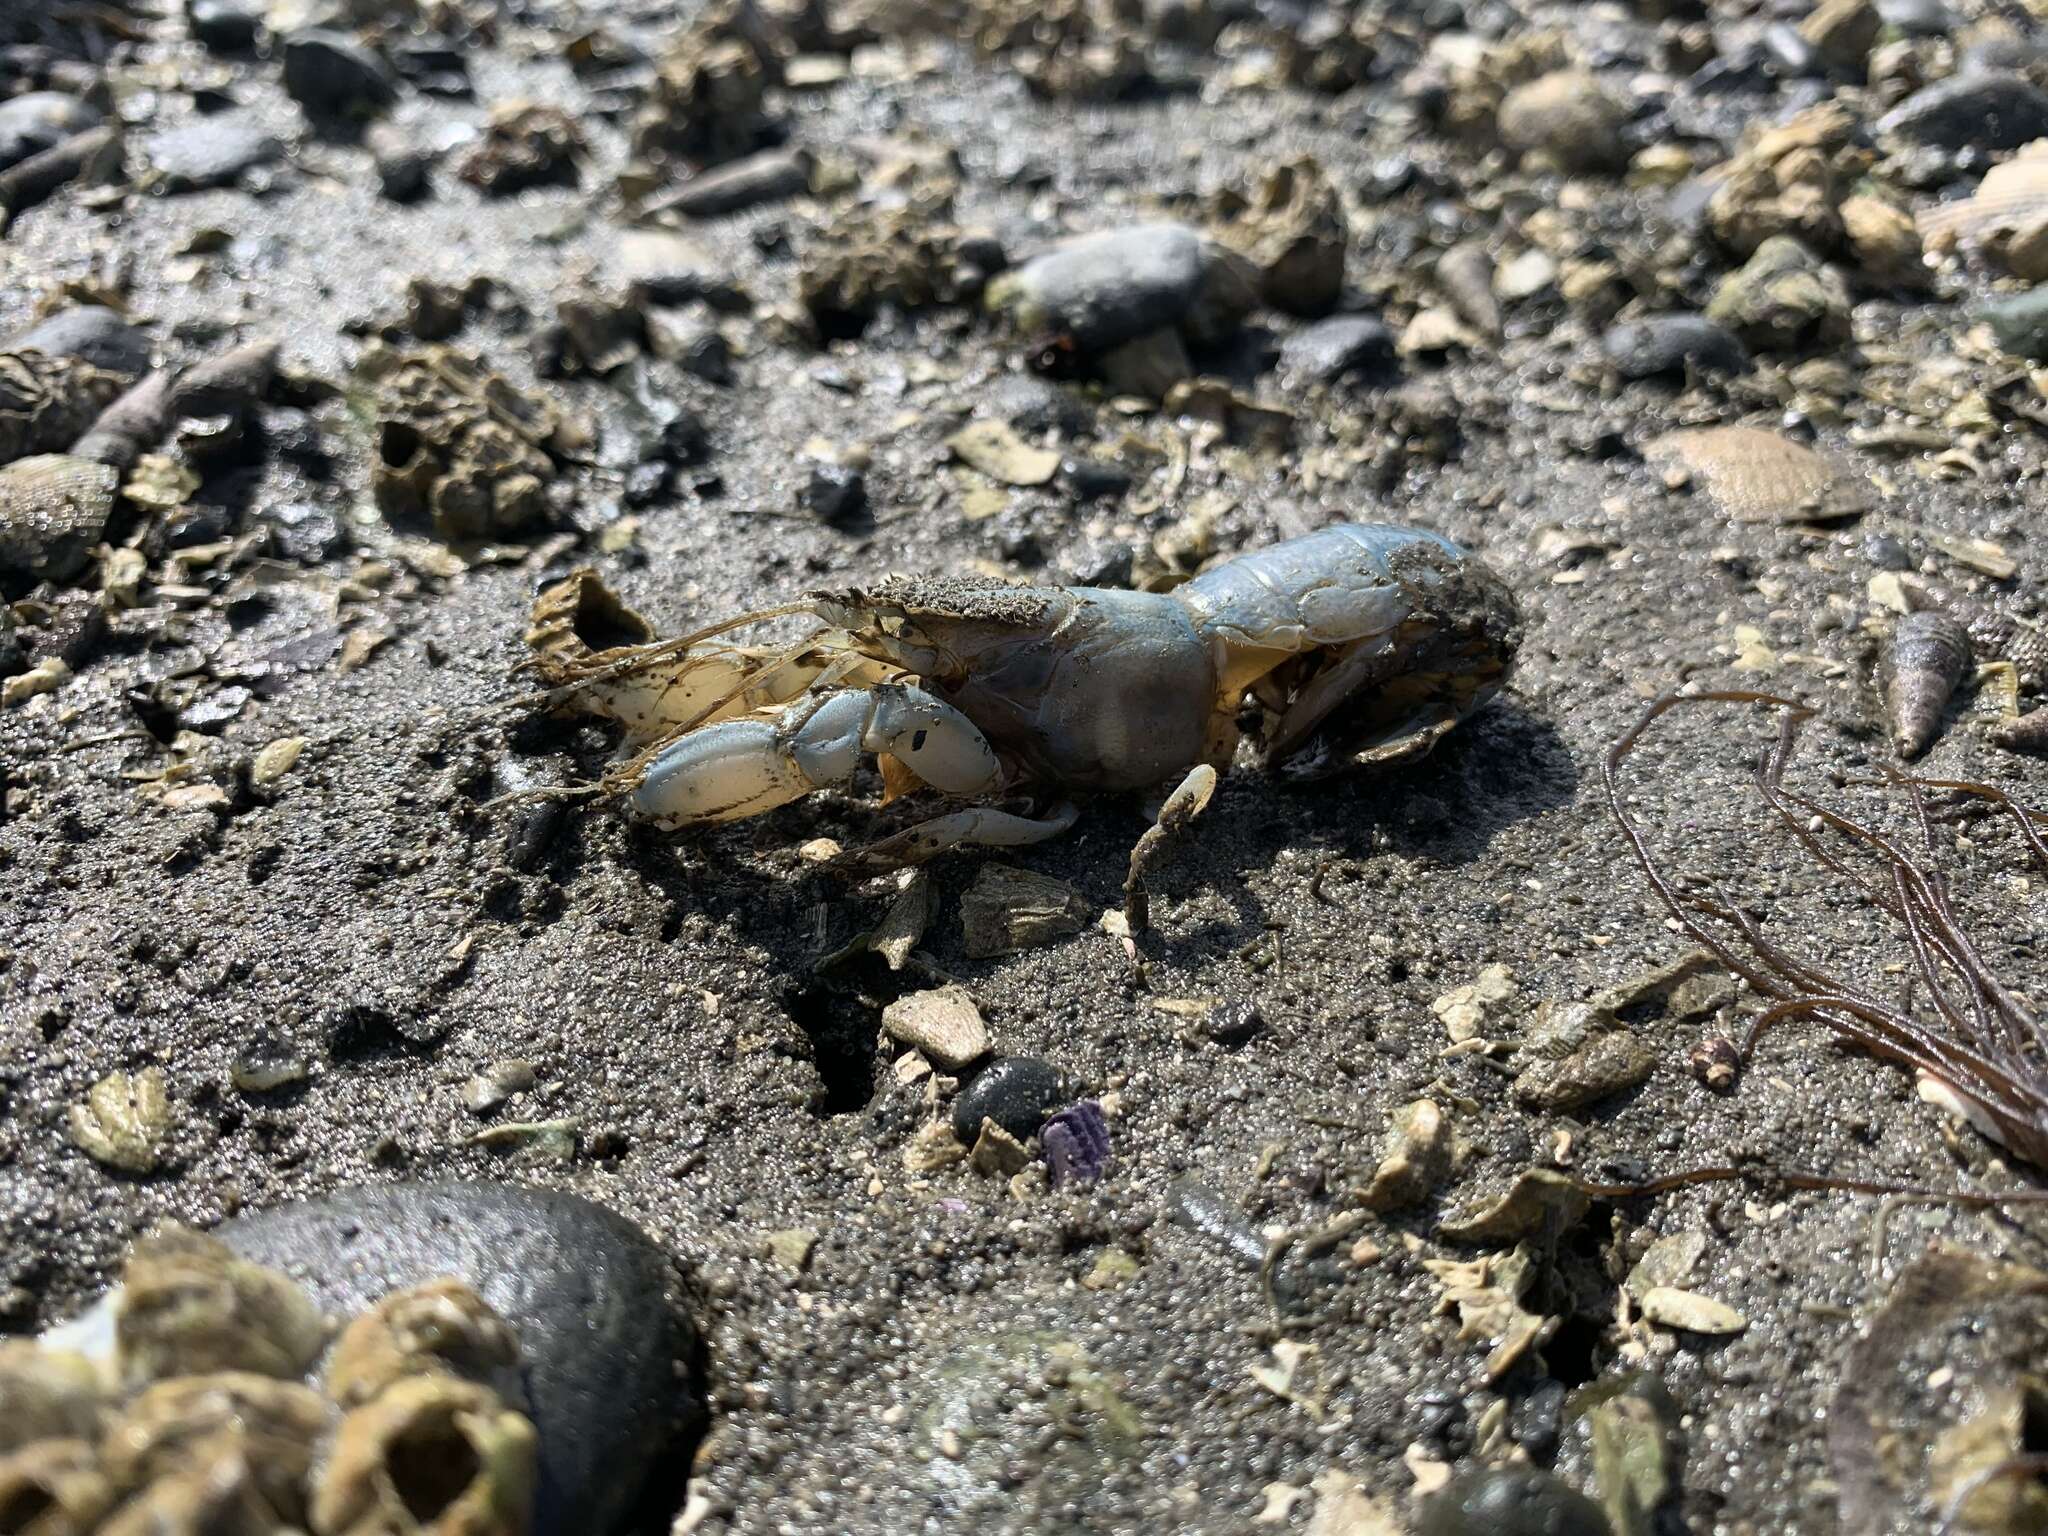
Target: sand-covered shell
x,y
190,1306
46,1394
432,1455
53,512
175,1426
459,443
442,1326
1756,476
2007,215
1924,664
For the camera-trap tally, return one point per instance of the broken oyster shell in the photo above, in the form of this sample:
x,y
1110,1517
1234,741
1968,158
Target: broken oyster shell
x,y
430,1456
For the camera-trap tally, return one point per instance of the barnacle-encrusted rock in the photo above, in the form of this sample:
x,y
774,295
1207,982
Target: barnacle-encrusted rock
x,y
1291,227
707,101
460,444
908,255
1928,655
46,1394
125,1120
441,1326
190,1422
217,1493
586,1289
188,1306
1072,50
1783,298
47,402
524,145
53,1488
1786,183
429,1456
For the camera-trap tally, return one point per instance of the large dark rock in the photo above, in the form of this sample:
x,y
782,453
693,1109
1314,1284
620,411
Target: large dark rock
x,y
605,1351
332,75
90,332
1670,344
1994,109
1509,1501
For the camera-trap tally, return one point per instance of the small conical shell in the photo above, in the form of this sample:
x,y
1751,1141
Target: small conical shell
x,y
130,427
1930,652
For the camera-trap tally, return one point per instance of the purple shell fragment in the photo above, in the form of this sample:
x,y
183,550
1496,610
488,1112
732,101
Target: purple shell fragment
x,y
1076,1144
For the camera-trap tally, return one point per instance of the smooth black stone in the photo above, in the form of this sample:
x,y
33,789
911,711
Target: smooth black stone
x,y
91,332
587,1291
1509,1501
1094,479
1339,345
1669,344
225,26
1017,1092
331,75
38,120
836,494
1992,110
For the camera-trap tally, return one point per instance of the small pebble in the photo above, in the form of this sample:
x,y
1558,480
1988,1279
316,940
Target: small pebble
x,y
493,1087
332,75
836,494
1017,1092
1509,1501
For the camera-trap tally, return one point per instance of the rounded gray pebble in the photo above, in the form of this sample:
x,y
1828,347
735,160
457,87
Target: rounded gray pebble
x,y
211,152
1509,1501
1339,345
1669,344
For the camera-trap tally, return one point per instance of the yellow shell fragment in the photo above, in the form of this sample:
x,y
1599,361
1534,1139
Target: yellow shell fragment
x,y
124,1120
1669,1307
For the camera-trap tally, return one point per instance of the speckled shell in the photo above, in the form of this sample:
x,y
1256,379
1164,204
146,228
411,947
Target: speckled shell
x,y
1928,656
53,510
